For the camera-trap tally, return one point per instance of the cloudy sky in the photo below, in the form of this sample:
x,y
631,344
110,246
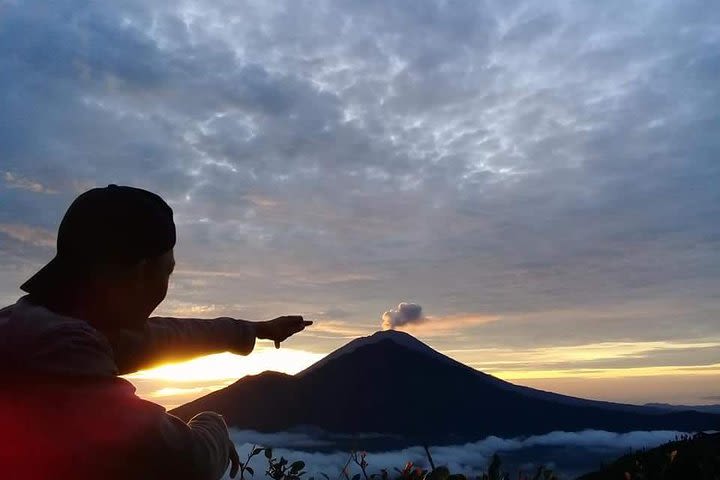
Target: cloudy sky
x,y
541,177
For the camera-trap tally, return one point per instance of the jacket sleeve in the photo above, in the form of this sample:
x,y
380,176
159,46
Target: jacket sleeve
x,y
203,442
166,339
168,448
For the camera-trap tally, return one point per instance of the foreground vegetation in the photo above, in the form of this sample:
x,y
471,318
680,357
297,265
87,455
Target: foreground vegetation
x,y
284,469
695,457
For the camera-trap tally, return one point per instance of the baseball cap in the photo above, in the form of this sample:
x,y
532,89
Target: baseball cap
x,y
116,224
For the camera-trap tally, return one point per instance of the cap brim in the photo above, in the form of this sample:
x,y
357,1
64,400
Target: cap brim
x,y
49,277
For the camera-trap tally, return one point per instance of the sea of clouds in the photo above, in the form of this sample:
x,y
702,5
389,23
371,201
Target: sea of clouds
x,y
568,453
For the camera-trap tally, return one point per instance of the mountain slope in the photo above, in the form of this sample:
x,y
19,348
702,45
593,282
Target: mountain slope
x,y
397,385
410,342
666,407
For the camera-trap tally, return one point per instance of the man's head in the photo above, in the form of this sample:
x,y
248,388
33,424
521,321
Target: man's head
x,y
114,258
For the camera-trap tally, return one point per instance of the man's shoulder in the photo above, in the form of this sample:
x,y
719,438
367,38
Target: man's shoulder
x,y
38,339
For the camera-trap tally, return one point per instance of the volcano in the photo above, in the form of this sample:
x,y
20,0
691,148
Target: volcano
x,y
392,383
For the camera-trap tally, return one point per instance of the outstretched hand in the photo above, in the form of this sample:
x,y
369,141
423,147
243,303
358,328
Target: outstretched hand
x,y
280,328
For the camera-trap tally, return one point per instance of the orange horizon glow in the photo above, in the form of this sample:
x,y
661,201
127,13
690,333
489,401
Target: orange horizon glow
x,y
223,366
176,383
172,384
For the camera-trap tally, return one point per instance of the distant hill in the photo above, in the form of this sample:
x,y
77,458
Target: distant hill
x,y
693,459
679,408
392,383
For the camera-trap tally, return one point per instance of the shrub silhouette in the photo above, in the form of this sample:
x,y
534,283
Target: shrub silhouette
x,y
284,469
688,457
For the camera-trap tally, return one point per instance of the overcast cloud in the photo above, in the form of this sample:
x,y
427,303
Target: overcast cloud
x,y
541,163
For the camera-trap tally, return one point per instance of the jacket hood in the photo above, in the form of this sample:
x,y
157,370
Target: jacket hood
x,y
34,339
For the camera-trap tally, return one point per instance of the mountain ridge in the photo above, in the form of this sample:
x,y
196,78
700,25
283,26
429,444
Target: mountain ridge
x,y
409,341
389,387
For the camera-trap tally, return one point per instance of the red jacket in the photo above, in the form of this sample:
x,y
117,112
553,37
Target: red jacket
x,y
64,413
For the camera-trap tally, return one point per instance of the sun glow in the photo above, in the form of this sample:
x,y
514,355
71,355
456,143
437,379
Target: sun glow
x,y
176,383
225,366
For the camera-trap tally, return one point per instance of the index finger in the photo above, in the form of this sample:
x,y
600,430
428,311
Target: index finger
x,y
302,324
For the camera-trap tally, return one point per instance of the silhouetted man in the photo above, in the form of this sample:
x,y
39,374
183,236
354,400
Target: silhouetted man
x,y
64,413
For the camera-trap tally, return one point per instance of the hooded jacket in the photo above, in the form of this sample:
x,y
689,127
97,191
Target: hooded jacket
x,y
65,414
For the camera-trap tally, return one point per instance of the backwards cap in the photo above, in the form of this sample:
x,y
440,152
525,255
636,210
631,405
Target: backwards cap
x,y
106,225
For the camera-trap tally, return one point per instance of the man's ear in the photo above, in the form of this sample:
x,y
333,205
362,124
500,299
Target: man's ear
x,y
142,269
135,274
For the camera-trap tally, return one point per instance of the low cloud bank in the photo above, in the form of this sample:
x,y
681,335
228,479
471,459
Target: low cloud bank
x,y
592,445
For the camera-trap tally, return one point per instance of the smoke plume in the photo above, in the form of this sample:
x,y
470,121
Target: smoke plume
x,y
404,314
